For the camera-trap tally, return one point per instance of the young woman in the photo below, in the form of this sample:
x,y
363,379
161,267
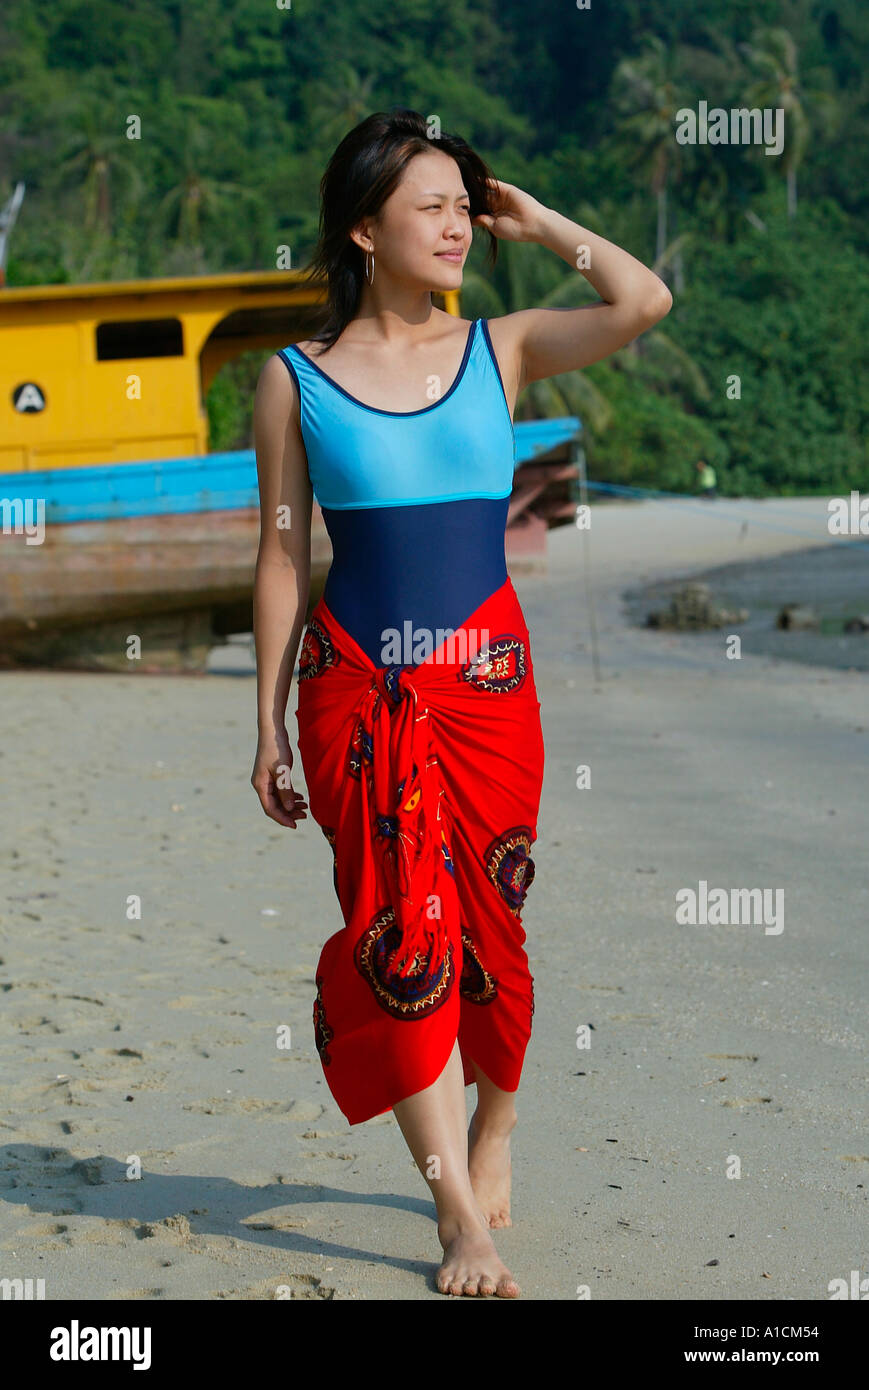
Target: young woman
x,y
419,722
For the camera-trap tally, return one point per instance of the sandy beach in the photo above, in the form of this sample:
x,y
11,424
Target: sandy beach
x,y
714,1048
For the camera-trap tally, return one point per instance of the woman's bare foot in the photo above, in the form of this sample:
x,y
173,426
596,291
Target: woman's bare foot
x,y
490,1170
434,1124
471,1265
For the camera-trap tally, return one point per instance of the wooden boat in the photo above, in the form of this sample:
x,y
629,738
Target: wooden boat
x,y
165,550
115,519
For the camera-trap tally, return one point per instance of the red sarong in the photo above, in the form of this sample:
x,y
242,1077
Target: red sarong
x,y
426,781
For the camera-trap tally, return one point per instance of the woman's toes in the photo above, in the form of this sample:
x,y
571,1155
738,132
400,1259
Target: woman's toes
x,y
507,1287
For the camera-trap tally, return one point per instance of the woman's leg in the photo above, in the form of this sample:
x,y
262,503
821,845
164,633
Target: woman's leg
x,y
433,1124
489,1164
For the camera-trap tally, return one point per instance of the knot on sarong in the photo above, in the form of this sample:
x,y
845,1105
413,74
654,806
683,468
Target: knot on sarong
x,y
404,811
393,683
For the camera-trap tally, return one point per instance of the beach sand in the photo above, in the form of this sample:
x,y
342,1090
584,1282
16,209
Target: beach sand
x,y
157,1039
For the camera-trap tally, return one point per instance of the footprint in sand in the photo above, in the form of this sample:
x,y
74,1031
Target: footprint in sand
x,y
327,1153
736,1102
251,1105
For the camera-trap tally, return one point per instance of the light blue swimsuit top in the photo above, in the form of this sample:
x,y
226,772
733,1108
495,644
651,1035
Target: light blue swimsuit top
x,y
415,502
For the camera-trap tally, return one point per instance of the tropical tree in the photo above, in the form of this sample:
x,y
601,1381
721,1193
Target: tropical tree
x,y
340,103
773,58
97,153
649,89
197,198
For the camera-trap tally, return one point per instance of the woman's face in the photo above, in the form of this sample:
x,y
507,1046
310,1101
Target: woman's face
x,y
423,232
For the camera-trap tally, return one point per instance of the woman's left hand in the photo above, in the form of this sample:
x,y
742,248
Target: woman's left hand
x,y
517,216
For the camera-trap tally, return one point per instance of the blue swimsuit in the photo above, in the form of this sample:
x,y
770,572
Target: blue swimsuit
x,y
415,502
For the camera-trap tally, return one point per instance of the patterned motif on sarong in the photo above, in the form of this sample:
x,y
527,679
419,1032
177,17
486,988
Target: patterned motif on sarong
x,y
322,1032
476,983
317,651
500,668
425,989
510,866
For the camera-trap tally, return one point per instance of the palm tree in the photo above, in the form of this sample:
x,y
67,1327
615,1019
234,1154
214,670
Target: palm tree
x,y
710,183
649,89
98,148
196,197
773,56
339,104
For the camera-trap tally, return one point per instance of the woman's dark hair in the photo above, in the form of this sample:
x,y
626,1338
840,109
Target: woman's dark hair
x,y
362,173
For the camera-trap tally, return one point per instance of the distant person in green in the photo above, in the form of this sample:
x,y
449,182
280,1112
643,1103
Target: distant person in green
x,y
708,480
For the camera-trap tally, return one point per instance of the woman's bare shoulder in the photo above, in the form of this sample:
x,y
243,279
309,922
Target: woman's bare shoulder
x,y
276,399
507,329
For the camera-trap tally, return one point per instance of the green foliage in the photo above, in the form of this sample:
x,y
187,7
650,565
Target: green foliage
x,y
651,442
787,311
229,402
241,106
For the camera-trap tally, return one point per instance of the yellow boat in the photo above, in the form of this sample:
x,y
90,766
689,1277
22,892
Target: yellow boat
x,y
116,518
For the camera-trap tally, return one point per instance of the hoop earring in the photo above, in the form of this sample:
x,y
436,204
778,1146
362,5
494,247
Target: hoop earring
x,y
369,278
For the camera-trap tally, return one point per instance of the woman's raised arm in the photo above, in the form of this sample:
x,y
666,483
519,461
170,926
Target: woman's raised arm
x,y
545,342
